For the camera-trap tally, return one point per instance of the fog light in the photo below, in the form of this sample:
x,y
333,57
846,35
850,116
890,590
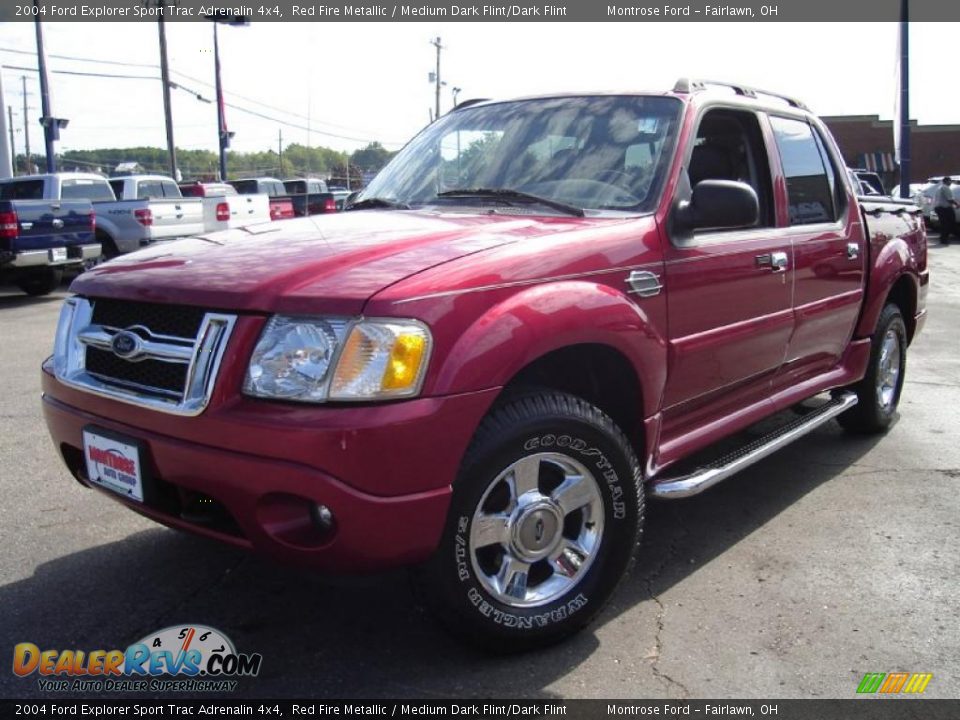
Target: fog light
x,y
322,517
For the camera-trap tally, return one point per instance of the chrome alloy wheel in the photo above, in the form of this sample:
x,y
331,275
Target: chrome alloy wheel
x,y
536,530
888,371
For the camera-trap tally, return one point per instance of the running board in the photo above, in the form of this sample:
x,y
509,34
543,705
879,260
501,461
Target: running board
x,y
732,463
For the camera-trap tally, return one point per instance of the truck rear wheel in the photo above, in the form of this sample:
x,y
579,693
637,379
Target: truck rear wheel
x,y
878,394
544,522
41,281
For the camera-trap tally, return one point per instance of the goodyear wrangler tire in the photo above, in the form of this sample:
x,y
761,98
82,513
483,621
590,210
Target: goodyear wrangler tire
x,y
544,522
878,394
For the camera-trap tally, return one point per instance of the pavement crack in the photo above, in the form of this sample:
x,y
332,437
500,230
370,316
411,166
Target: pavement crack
x,y
673,551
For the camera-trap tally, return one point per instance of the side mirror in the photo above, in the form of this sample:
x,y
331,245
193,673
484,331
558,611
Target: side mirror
x,y
350,198
719,204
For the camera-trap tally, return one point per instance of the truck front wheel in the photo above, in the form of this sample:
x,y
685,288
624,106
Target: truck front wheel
x,y
878,394
544,521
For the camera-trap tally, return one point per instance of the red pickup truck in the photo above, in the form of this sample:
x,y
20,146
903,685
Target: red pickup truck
x,y
510,340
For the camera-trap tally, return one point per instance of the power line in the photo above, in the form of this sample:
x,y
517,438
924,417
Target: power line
x,y
82,59
203,99
202,82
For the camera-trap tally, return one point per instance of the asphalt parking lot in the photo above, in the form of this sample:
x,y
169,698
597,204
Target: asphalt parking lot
x,y
836,557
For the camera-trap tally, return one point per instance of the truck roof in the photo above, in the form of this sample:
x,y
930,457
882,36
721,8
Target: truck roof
x,y
683,89
61,175
142,176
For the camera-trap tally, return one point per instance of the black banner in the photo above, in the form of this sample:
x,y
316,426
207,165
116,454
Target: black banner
x,y
875,708
492,11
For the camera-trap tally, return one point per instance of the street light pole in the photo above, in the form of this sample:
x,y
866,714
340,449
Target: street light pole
x,y
904,91
223,134
49,123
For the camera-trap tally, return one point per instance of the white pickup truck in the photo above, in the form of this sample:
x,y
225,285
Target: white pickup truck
x,y
143,214
224,208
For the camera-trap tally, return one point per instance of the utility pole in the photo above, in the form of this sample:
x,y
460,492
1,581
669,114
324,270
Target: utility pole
x,y
165,79
904,99
280,150
28,165
436,43
13,146
6,151
51,128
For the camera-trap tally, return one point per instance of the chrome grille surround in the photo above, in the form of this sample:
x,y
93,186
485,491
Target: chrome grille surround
x,y
201,355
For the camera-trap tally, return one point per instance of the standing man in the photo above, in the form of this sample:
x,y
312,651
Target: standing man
x,y
944,205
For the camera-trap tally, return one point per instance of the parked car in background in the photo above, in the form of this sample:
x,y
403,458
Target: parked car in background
x,y
488,363
925,199
40,239
224,207
122,225
206,189
281,205
311,196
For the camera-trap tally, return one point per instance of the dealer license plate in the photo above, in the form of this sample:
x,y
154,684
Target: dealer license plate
x,y
58,254
113,464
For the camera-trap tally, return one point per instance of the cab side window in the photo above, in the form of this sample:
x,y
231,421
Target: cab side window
x,y
811,182
729,146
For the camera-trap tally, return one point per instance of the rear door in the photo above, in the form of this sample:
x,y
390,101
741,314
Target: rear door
x,y
826,231
729,291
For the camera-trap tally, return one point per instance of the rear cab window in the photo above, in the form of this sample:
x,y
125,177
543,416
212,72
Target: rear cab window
x,y
84,189
170,189
22,190
149,190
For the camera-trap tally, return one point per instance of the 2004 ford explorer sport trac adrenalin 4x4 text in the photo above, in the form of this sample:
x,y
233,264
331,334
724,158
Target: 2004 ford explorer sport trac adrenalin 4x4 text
x,y
509,340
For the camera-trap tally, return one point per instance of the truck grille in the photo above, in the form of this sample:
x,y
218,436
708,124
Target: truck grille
x,y
177,320
164,357
165,377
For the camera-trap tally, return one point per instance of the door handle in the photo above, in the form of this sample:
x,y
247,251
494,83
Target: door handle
x,y
776,261
853,251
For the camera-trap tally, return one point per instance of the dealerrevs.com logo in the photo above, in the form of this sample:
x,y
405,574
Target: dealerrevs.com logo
x,y
187,658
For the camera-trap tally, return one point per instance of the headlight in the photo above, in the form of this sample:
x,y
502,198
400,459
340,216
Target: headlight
x,y
381,360
315,359
62,339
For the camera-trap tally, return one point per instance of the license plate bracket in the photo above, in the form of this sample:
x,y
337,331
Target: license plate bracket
x,y
116,462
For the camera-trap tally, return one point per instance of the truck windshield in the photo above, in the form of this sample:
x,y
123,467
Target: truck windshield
x,y
591,152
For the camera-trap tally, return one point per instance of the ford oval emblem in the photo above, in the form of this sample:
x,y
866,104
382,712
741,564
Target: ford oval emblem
x,y
125,345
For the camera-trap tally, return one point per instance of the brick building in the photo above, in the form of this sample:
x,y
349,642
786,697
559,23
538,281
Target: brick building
x,y
866,141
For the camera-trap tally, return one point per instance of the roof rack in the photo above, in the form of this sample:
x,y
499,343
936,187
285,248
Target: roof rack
x,y
689,85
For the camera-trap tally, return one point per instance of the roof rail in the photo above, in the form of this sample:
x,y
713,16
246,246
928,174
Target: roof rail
x,y
468,103
689,85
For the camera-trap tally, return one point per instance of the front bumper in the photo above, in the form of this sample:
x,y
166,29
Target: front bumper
x,y
255,499
38,258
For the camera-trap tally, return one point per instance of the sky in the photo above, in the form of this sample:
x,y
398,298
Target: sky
x,y
352,83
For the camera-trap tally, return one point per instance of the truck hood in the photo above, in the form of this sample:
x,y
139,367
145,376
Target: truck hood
x,y
329,263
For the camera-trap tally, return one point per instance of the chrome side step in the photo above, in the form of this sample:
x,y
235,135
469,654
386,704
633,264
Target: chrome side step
x,y
734,462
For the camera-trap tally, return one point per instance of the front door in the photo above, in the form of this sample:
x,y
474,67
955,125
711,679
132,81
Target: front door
x,y
729,294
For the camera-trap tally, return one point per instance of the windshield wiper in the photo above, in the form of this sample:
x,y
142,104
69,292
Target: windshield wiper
x,y
507,194
377,202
